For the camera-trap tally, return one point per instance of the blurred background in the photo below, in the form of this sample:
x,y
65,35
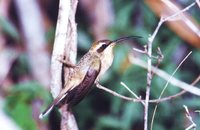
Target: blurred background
x,y
27,29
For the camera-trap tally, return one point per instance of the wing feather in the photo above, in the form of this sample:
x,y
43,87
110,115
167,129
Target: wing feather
x,y
80,91
78,87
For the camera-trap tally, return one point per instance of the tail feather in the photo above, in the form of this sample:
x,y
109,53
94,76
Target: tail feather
x,y
47,111
55,102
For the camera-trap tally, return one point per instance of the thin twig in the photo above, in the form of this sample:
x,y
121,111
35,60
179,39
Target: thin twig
x,y
141,51
141,100
165,87
174,73
197,111
168,18
149,72
149,78
178,94
115,93
175,82
193,125
125,86
185,18
149,67
175,95
160,56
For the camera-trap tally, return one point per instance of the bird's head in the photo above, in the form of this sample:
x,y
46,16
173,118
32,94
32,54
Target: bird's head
x,y
102,45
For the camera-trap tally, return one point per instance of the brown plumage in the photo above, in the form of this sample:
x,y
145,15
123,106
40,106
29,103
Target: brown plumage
x,y
90,68
79,82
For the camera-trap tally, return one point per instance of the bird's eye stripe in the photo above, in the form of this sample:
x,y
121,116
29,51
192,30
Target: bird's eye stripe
x,y
102,48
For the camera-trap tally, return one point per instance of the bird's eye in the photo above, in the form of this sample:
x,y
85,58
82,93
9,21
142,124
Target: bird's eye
x,y
104,46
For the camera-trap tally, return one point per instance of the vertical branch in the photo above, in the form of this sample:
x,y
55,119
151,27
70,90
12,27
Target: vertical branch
x,y
68,121
58,48
65,44
149,74
146,106
149,77
149,51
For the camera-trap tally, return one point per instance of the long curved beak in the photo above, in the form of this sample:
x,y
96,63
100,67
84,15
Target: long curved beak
x,y
125,38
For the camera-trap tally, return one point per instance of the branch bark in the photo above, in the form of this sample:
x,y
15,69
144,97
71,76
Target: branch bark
x,y
149,52
65,44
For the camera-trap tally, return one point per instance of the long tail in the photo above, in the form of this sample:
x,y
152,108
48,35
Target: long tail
x,y
52,105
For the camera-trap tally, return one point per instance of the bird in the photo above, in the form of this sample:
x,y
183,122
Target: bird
x,y
86,72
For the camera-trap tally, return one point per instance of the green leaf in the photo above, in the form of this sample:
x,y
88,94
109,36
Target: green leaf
x,y
18,103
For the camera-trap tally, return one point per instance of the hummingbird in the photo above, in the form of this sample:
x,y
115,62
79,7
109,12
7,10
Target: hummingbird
x,y
86,72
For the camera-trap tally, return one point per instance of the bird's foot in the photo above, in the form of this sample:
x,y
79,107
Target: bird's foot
x,y
63,60
96,82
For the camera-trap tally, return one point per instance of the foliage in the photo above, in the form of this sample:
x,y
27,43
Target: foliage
x,y
18,103
123,115
103,111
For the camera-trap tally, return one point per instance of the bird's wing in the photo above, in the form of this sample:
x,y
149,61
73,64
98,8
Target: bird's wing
x,y
78,92
92,70
77,89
